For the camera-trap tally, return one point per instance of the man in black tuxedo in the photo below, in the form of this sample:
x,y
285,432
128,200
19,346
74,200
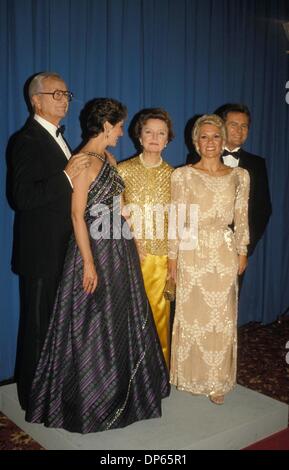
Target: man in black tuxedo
x,y
237,120
41,173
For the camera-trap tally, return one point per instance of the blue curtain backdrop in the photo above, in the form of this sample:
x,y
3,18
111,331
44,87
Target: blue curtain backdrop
x,y
188,56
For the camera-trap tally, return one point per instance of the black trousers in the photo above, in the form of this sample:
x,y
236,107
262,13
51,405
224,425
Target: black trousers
x,y
37,297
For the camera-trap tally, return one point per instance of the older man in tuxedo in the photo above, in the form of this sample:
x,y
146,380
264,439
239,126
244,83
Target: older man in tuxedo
x,y
41,172
237,120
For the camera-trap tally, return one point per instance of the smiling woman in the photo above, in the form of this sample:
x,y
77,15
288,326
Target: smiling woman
x,y
204,343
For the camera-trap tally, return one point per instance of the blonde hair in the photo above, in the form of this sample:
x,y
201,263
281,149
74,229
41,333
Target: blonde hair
x,y
212,119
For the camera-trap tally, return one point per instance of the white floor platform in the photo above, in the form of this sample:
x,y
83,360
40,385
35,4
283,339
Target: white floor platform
x,y
188,422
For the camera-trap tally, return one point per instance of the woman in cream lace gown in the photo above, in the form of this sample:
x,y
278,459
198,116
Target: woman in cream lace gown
x,y
204,341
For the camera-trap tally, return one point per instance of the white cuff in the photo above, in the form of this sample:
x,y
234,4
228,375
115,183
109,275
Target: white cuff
x,y
70,182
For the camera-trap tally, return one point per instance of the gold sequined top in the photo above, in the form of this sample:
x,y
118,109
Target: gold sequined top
x,y
149,190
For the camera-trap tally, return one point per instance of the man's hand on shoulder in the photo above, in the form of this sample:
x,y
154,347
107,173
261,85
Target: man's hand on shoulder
x,y
76,164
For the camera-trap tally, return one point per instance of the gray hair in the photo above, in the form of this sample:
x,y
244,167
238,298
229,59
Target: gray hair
x,y
36,84
212,119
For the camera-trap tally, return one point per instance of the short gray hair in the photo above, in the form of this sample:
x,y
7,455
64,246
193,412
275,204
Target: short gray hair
x,y
36,84
212,119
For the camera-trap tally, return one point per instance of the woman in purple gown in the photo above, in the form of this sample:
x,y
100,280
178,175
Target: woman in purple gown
x,y
101,366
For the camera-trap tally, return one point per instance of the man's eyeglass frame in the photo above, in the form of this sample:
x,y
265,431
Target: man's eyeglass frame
x,y
57,94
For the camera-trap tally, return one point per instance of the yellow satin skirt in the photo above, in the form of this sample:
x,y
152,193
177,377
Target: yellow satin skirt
x,y
154,270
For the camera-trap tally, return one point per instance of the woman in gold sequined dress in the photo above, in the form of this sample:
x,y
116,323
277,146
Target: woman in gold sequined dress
x,y
204,340
147,185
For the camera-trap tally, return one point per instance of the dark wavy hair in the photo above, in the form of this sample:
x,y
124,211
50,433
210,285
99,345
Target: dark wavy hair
x,y
227,108
152,113
97,111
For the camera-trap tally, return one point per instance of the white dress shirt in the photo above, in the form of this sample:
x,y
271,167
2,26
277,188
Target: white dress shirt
x,y
51,128
229,160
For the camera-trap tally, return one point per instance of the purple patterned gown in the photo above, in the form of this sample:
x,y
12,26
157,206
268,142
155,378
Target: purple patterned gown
x,y
101,366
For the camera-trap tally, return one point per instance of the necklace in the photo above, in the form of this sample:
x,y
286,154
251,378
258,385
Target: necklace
x,y
150,165
95,154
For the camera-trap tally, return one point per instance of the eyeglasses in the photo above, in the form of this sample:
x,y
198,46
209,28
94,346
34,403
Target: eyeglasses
x,y
57,94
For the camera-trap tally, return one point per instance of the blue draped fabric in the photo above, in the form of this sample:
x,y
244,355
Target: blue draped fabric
x,y
189,56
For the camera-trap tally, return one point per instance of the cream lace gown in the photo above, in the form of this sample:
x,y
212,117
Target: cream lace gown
x,y
204,341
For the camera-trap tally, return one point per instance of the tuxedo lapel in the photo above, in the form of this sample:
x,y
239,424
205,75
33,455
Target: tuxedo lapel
x,y
244,160
249,162
67,144
44,135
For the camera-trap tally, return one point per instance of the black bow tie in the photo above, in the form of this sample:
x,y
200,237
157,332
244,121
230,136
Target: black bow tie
x,y
60,130
235,154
